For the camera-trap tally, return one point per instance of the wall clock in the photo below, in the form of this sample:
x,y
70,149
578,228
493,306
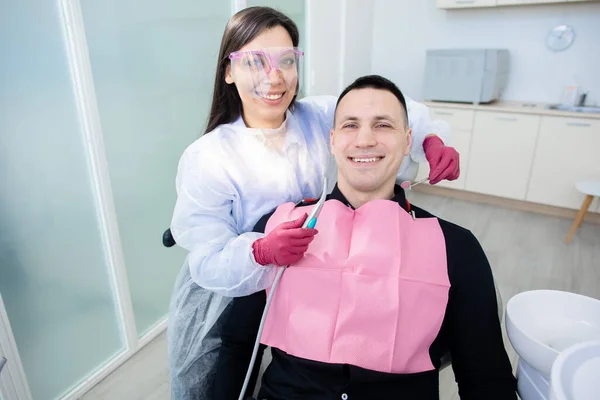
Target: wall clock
x,y
560,38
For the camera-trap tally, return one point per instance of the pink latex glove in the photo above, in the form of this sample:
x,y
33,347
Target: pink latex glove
x,y
285,244
443,160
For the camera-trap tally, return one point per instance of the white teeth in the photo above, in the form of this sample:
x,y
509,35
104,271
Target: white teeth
x,y
273,96
366,160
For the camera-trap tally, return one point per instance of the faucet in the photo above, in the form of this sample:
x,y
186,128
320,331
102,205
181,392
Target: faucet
x,y
582,98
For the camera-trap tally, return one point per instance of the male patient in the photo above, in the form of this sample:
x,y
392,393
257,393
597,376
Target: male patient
x,y
384,290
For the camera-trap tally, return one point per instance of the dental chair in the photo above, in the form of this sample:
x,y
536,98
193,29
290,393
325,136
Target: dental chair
x,y
169,241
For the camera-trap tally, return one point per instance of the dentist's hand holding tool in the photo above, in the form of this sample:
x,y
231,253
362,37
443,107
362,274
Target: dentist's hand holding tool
x,y
284,245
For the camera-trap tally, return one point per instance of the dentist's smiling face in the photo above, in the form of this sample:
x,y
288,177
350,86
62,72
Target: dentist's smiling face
x,y
265,96
369,141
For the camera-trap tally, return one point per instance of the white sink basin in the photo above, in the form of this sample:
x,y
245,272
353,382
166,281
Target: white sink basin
x,y
542,323
575,373
581,109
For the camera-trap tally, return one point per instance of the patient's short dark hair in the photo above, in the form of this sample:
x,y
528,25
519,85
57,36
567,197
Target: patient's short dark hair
x,y
375,82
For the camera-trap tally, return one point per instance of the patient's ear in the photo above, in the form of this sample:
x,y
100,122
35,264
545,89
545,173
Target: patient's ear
x,y
331,140
408,142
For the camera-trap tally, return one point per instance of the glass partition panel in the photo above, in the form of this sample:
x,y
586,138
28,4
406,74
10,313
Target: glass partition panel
x,y
153,63
54,275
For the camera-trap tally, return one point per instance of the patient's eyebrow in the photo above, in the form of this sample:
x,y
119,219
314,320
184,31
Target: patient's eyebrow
x,y
384,116
349,118
377,118
381,117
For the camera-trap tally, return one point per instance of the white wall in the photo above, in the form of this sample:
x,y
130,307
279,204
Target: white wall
x,y
404,29
324,38
357,40
340,43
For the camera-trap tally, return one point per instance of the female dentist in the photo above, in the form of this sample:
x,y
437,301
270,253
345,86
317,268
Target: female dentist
x,y
262,148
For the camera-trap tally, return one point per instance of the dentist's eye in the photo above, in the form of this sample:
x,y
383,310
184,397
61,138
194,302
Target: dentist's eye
x,y
254,62
288,62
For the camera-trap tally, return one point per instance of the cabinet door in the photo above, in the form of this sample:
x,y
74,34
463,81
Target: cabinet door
x,y
461,122
465,3
501,154
567,152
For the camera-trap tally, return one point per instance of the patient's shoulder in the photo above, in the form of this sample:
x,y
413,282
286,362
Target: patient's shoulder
x,y
465,255
453,232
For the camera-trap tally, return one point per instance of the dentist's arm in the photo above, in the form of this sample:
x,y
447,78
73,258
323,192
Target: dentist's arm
x,y
222,258
430,139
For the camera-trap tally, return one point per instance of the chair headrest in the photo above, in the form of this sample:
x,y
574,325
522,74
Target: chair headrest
x,y
167,239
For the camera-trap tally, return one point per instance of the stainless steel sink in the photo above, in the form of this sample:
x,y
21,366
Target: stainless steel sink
x,y
581,109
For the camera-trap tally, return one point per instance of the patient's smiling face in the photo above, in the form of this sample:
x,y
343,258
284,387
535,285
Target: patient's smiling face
x,y
369,141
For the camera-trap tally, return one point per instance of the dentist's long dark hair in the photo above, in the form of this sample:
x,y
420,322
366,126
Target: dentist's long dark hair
x,y
242,28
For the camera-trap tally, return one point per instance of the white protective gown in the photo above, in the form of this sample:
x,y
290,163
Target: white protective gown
x,y
226,181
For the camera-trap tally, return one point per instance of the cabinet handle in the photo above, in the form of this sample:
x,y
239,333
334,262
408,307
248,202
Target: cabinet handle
x,y
578,124
464,1
506,118
444,113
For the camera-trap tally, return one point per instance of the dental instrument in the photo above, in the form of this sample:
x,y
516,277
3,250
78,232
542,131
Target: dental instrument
x,y
407,185
310,222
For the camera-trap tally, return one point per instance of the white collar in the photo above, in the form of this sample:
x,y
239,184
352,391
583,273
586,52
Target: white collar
x,y
291,135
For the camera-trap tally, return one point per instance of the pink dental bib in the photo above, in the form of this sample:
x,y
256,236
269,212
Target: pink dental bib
x,y
371,290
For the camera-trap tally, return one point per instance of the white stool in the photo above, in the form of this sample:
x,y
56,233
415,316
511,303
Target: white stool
x,y
591,189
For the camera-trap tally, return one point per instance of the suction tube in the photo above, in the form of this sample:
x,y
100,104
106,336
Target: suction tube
x,y
310,222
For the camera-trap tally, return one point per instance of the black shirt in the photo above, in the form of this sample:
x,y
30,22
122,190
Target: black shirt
x,y
470,333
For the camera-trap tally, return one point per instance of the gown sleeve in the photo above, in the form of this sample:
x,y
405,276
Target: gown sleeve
x,y
220,257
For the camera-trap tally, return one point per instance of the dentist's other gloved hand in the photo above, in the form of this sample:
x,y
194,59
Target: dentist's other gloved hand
x,y
285,244
443,160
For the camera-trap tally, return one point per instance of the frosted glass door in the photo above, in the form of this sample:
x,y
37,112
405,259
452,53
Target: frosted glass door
x,y
153,63
54,277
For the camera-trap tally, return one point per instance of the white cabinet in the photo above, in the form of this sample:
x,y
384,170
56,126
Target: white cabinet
x,y
567,151
522,2
537,157
501,153
465,3
461,122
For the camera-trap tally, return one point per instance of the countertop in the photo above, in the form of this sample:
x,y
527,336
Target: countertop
x,y
520,107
